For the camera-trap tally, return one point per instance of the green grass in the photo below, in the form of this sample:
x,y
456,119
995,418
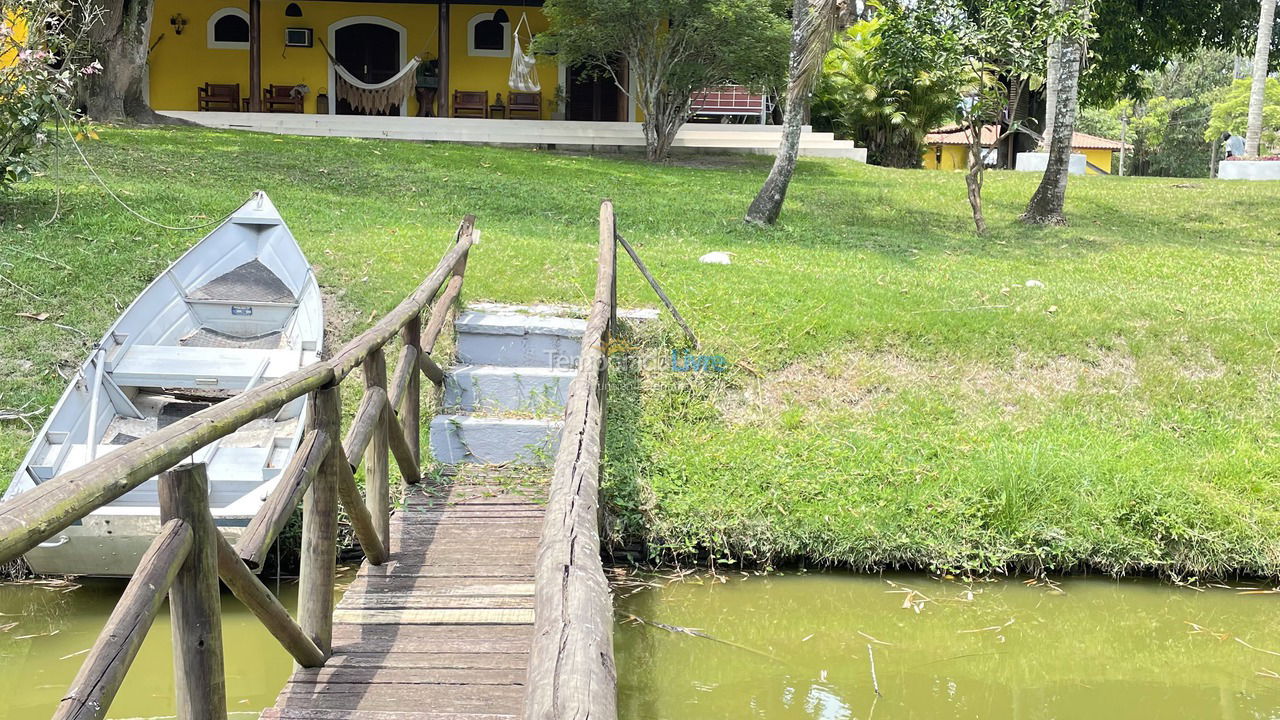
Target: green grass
x,y
918,404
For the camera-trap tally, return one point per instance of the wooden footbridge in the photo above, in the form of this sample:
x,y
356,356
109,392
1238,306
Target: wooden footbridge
x,y
476,602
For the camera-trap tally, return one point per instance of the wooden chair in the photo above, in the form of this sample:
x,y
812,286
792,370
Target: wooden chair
x,y
524,102
218,96
277,98
471,103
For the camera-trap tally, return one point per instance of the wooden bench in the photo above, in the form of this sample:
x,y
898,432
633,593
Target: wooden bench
x,y
218,96
471,103
279,98
525,102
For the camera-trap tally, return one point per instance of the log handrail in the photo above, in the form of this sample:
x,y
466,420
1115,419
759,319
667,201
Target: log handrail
x,y
571,668
187,559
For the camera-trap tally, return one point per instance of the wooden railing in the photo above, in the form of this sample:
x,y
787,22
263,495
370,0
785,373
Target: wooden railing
x,y
189,555
571,669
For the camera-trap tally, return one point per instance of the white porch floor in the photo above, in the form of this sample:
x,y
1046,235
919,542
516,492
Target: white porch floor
x,y
561,134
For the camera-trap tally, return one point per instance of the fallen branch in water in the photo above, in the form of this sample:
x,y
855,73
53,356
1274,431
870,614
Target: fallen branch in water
x,y
875,684
1253,647
679,630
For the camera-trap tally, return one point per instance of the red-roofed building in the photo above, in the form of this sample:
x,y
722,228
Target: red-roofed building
x,y
947,149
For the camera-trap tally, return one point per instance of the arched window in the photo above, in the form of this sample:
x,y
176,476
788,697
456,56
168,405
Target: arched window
x,y
229,29
488,37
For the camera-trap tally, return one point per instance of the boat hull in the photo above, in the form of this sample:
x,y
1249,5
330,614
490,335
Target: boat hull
x,y
241,307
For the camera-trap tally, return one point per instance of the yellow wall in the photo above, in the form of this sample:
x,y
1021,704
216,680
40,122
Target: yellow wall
x,y
9,55
181,63
1101,158
954,157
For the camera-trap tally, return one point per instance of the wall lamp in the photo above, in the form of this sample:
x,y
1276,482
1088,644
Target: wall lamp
x,y
178,22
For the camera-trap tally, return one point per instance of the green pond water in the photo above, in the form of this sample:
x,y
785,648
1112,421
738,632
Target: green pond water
x,y
45,629
796,646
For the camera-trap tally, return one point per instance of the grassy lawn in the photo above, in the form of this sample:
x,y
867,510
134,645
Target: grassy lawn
x,y
901,395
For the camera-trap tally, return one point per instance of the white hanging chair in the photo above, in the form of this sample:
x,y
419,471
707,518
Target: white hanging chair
x,y
523,77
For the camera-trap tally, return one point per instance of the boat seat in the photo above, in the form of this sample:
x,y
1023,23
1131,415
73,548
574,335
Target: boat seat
x,y
175,366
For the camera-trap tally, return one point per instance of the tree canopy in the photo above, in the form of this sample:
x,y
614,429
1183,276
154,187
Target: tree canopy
x,y
1231,113
1137,36
672,49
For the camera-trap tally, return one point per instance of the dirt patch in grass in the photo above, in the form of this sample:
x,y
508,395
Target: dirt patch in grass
x,y
340,319
861,381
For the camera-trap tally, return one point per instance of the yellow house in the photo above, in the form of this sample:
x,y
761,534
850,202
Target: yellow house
x,y
13,34
464,47
948,148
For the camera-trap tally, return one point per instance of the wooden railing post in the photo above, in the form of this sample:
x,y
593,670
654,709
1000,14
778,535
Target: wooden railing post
x,y
320,526
195,601
377,491
103,671
411,407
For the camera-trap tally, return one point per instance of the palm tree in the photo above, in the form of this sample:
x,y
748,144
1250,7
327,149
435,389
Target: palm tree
x,y
1048,203
813,27
1266,21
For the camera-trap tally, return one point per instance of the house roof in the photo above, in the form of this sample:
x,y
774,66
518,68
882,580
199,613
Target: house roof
x,y
955,135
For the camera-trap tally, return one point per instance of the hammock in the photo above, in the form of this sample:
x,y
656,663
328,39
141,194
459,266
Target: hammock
x,y
379,97
522,77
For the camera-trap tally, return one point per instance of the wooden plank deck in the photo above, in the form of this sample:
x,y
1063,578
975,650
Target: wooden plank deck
x,y
441,631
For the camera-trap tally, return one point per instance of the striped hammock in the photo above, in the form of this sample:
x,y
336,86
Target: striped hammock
x,y
379,97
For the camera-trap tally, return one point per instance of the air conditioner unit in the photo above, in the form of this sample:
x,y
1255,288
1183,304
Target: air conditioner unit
x,y
297,37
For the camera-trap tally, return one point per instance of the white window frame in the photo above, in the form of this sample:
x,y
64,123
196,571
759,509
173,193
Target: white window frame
x,y
213,20
473,51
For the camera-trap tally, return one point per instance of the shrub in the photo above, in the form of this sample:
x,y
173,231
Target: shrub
x,y
883,98
42,57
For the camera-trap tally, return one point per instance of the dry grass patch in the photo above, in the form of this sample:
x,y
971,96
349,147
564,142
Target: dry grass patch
x,y
860,382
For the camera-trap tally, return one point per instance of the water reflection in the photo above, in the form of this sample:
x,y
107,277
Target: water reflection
x,y
46,629
1092,648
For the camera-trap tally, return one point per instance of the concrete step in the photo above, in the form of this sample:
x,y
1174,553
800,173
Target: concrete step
x,y
459,439
495,388
518,340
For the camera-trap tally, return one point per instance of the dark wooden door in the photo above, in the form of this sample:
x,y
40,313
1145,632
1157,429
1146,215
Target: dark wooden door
x,y
370,52
593,97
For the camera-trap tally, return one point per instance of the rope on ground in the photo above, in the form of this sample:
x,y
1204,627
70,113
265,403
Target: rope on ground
x,y
66,125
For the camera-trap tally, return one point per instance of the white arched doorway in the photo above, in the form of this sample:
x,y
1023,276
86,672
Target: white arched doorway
x,y
365,47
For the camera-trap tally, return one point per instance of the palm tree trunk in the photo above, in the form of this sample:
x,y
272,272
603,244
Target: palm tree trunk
x,y
1052,70
1257,92
812,28
1047,204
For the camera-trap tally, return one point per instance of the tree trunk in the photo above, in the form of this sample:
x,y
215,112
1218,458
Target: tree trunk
x,y
659,133
767,205
1257,92
973,178
1053,69
119,43
764,210
1047,204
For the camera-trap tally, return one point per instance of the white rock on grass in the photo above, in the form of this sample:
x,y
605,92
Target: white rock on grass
x,y
716,258
1034,283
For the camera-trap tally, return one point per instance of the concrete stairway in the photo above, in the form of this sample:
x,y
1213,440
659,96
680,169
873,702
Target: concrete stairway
x,y
504,399
560,134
